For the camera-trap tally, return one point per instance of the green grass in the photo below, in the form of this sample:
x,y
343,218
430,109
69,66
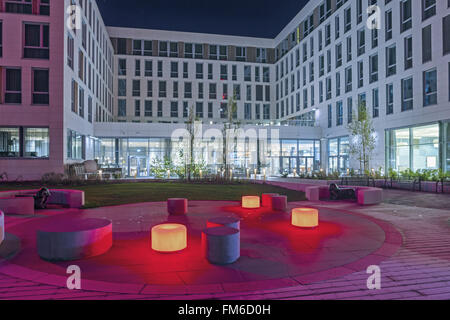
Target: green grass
x,y
125,193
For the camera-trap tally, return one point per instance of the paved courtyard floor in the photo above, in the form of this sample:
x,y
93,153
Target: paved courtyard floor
x,y
409,243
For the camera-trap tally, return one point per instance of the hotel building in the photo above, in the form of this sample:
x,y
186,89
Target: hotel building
x,y
117,94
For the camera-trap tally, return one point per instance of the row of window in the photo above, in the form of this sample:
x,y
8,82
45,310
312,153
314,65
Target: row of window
x,y
259,74
12,93
38,7
325,11
187,50
261,93
251,111
24,142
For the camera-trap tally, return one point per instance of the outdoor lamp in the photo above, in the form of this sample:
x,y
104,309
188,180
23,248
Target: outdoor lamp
x,y
251,202
305,217
169,237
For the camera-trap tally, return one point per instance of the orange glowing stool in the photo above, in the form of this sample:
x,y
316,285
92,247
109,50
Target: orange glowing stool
x,y
169,237
251,202
305,217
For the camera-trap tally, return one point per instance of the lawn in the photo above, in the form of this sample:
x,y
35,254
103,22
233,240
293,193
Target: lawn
x,y
124,193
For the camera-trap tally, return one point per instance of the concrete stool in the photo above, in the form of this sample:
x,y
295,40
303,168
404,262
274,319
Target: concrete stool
x,y
73,239
229,222
177,206
2,227
267,199
279,203
221,245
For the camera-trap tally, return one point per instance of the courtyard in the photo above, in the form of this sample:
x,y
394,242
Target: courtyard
x,y
408,240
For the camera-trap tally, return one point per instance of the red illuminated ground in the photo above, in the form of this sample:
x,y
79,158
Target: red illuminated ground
x,y
273,253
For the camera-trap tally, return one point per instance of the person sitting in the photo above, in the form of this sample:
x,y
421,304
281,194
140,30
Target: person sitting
x,y
41,199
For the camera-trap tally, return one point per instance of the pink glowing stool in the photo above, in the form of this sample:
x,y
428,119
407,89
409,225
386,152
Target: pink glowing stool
x,y
169,237
267,199
229,222
279,203
177,206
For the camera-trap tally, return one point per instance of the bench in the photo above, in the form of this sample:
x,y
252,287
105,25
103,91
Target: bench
x,y
363,181
86,169
405,184
364,195
2,227
68,239
22,201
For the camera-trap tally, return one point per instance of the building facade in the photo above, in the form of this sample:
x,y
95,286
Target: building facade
x,y
118,94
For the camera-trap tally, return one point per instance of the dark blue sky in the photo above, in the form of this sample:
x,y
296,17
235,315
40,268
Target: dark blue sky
x,y
256,18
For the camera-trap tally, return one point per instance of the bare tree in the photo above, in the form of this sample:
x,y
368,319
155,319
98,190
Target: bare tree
x,y
230,126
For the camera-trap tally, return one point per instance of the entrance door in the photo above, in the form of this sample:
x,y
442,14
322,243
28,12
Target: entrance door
x,y
137,167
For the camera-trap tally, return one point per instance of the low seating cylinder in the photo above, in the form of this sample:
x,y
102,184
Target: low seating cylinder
x,y
279,203
267,199
221,245
177,206
229,222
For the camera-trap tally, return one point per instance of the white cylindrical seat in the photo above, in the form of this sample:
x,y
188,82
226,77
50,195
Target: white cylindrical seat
x,y
229,222
221,245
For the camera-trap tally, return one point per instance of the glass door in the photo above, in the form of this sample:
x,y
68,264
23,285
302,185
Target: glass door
x,y
137,167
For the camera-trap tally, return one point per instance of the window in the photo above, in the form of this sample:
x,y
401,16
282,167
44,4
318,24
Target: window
x,y
374,38
137,108
9,142
359,11
173,50
174,109
122,108
162,89
90,109
373,61
407,94
446,34
20,6
122,67
389,98
391,61
122,87
375,103
241,54
149,68
199,109
330,116
408,53
185,70
81,102
188,90
40,86
223,52
388,25
223,72
261,55
163,52
361,42
349,49
347,19
160,69
75,145
266,74
429,88
338,55
426,44
136,88
148,108
210,110
213,52
188,50
247,73
339,114
174,69
349,110
175,89
36,44
338,84
405,15
70,51
360,74
137,68
327,34
74,96
160,109
212,91
266,111
247,111
37,142
428,8
348,79
198,51
13,87
149,88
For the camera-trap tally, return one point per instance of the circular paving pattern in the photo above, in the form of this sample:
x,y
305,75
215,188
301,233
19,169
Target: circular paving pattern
x,y
272,250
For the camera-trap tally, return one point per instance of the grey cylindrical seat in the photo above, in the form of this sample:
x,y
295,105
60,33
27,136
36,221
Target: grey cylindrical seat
x,y
2,227
229,222
73,239
177,206
279,203
221,245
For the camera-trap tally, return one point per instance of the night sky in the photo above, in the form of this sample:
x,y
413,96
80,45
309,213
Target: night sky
x,y
255,18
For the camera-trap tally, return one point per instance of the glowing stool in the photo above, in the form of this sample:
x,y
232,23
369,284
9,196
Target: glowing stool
x,y
2,227
169,237
279,203
305,217
229,222
251,202
221,245
267,199
177,206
